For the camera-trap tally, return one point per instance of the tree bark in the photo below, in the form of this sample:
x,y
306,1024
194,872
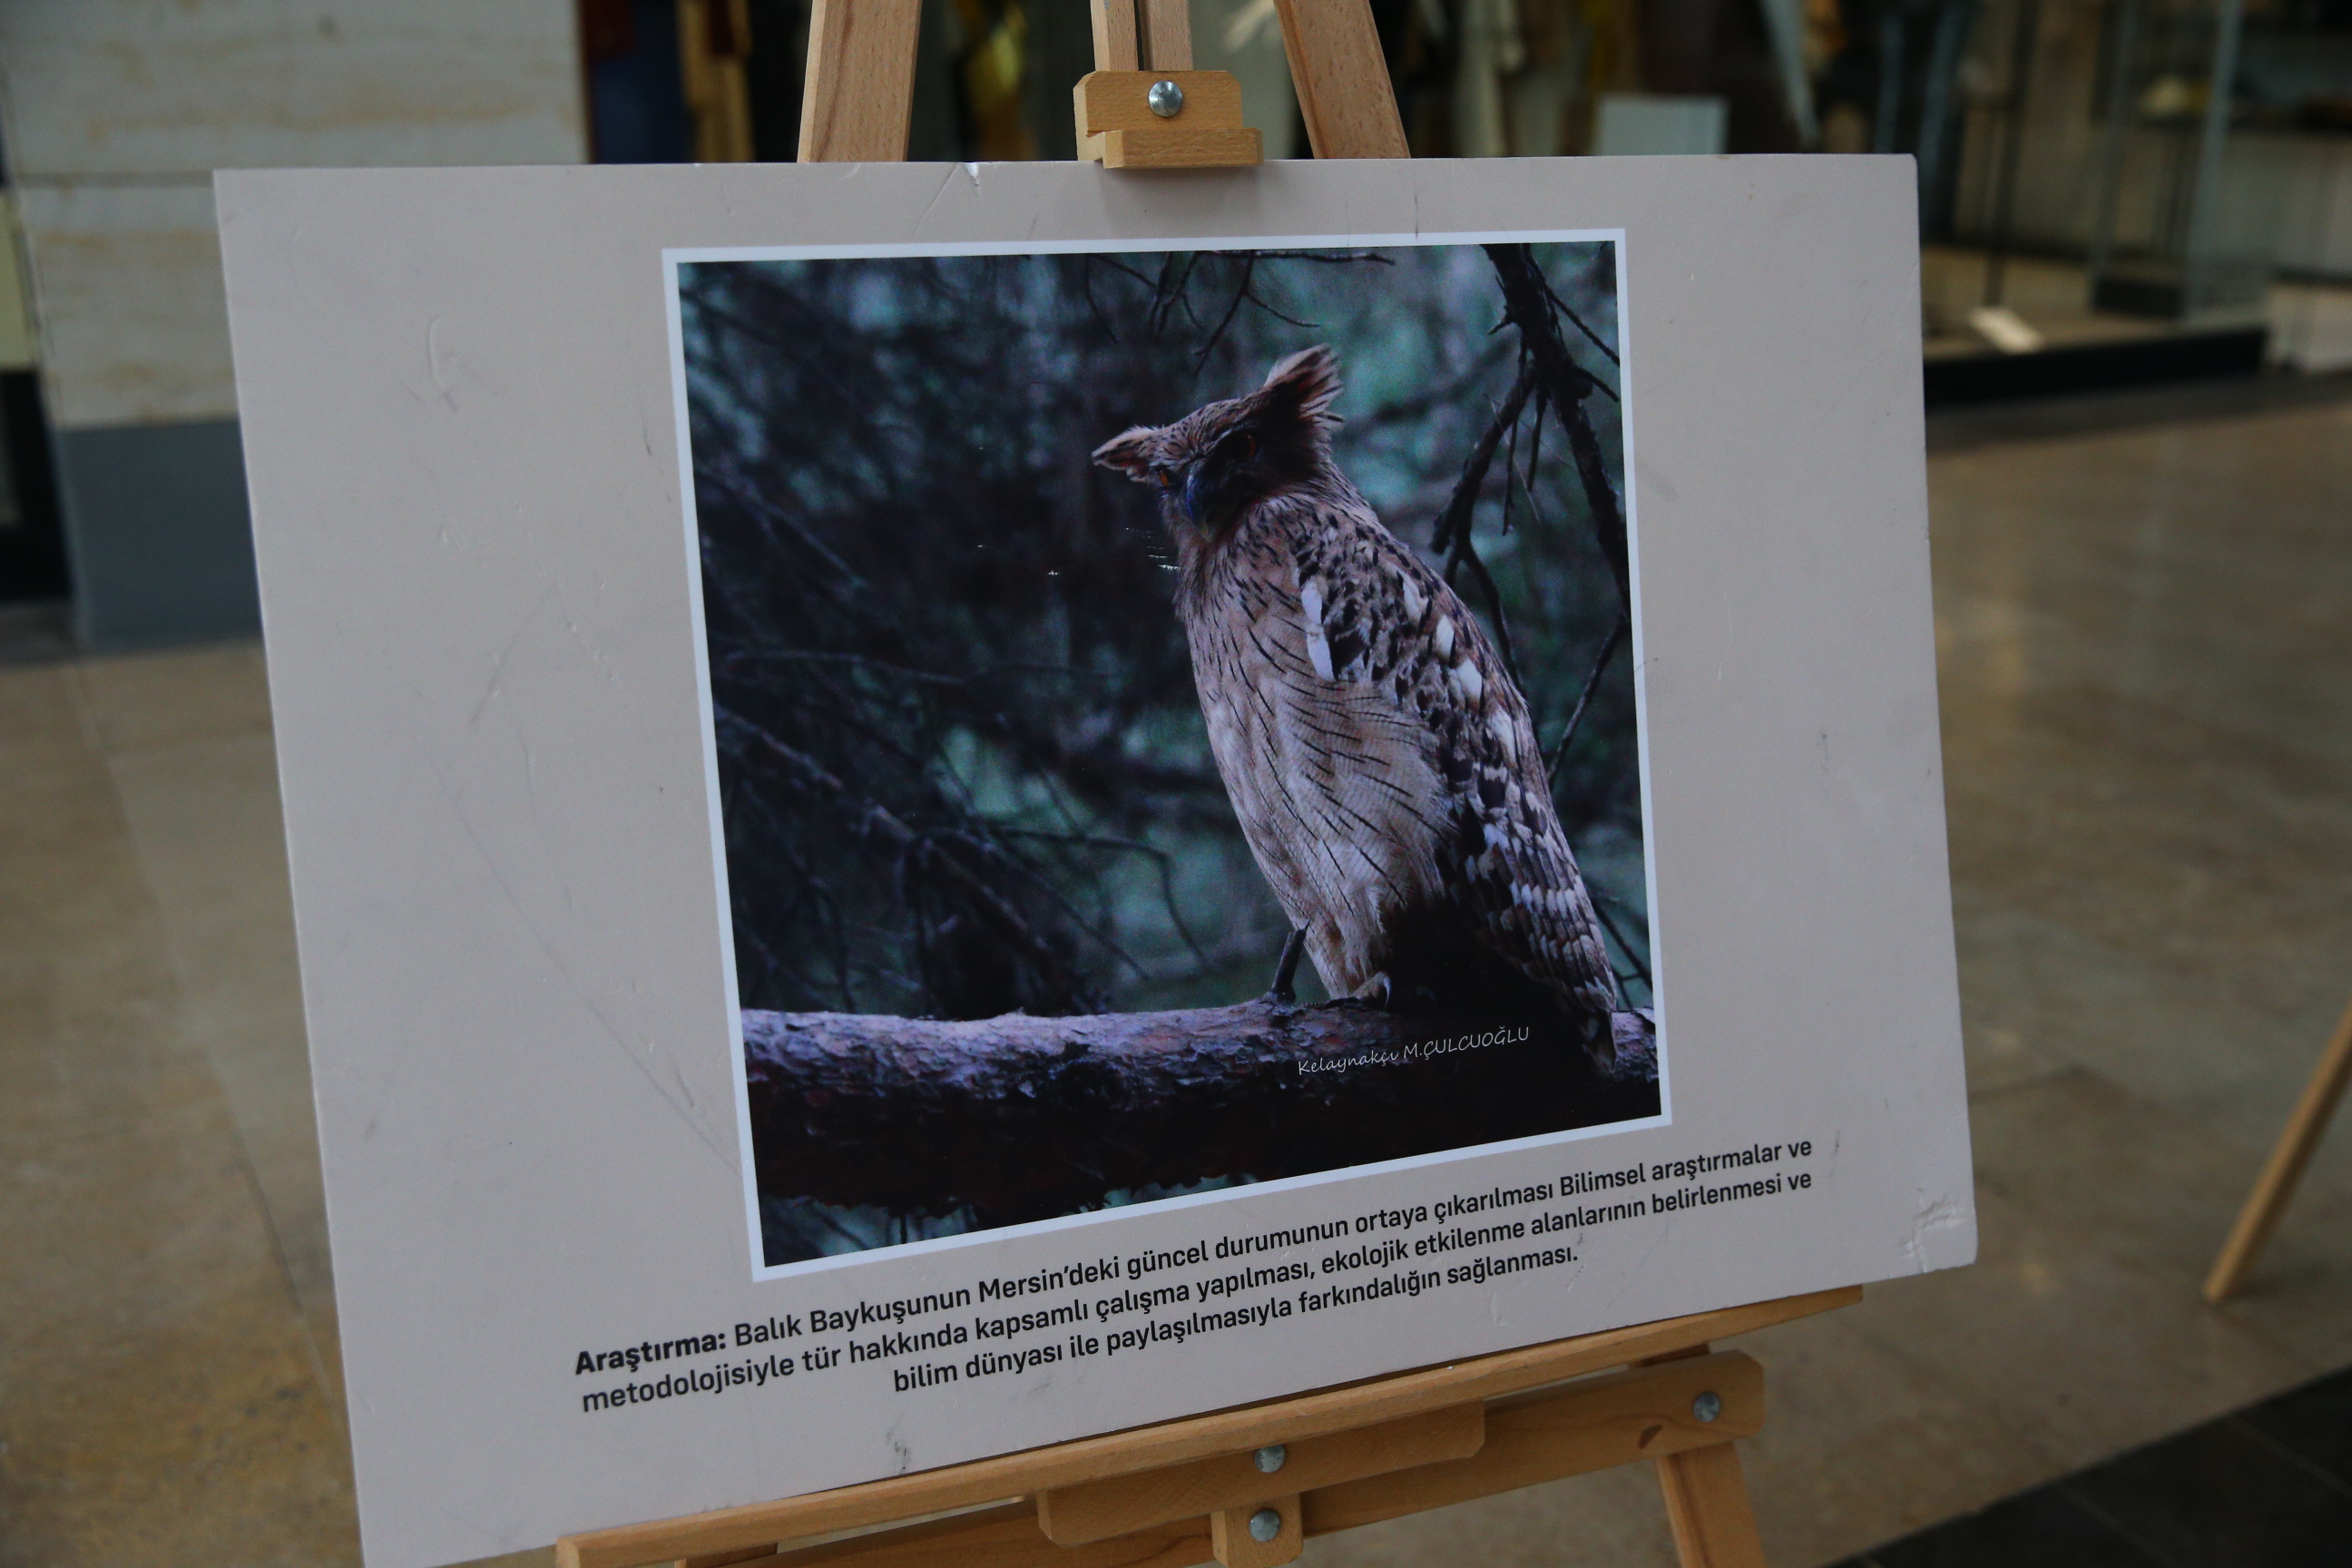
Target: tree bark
x,y
1023,1118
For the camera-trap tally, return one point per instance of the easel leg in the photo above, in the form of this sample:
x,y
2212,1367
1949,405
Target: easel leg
x,y
1345,94
2276,1187
1706,1503
861,80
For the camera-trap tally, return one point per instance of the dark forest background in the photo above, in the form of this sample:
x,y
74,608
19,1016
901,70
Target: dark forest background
x,y
963,767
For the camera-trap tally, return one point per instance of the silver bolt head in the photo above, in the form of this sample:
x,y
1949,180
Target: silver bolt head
x,y
1266,1524
1272,1458
1707,1406
1167,99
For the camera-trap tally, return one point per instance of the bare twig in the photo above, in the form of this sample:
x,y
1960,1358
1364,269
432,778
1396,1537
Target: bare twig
x,y
1466,556
1439,394
1450,535
1632,955
1087,285
1241,292
1562,307
871,819
1528,305
1584,697
1510,472
1535,452
1157,856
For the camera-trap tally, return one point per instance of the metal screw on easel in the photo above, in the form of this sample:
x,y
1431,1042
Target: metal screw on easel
x,y
1271,1459
1266,1524
1707,1406
1166,98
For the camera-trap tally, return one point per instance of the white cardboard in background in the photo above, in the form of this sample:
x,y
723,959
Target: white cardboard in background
x,y
457,411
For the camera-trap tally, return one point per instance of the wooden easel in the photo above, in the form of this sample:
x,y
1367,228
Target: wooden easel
x,y
1245,1487
2277,1183
1189,1491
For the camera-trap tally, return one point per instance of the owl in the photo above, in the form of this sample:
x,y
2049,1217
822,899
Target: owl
x,y
1377,753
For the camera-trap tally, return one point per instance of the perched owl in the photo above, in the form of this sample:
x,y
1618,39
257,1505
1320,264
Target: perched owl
x,y
1381,760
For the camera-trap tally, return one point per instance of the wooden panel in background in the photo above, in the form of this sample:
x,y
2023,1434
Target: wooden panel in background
x,y
714,40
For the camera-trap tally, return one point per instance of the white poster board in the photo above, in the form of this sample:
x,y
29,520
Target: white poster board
x,y
516,664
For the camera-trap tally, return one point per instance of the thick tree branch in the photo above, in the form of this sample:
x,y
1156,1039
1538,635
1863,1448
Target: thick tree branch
x,y
1025,1118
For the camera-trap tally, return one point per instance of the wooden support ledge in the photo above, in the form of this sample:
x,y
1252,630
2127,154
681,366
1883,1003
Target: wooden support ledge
x,y
1631,1416
1644,1413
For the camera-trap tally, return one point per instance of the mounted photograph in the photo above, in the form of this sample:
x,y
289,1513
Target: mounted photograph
x,y
1173,719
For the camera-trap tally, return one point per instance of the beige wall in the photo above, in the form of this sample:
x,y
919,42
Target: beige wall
x,y
16,301
117,113
133,327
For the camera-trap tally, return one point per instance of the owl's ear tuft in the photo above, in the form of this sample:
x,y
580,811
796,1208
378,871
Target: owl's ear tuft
x,y
1129,452
1308,382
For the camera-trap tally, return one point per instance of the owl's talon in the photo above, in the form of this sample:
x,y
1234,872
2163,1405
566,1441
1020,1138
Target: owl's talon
x,y
1283,993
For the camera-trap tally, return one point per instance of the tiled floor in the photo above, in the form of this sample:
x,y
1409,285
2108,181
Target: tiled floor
x,y
2268,1485
2146,640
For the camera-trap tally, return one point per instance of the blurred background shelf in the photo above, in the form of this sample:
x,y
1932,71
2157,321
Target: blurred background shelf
x,y
2299,327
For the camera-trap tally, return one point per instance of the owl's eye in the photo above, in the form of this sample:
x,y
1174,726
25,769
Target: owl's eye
x,y
1244,446
1164,478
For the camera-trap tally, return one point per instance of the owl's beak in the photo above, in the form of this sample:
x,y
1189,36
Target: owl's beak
x,y
1195,482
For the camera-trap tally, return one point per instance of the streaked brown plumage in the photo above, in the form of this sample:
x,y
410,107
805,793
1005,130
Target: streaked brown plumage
x,y
1380,759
